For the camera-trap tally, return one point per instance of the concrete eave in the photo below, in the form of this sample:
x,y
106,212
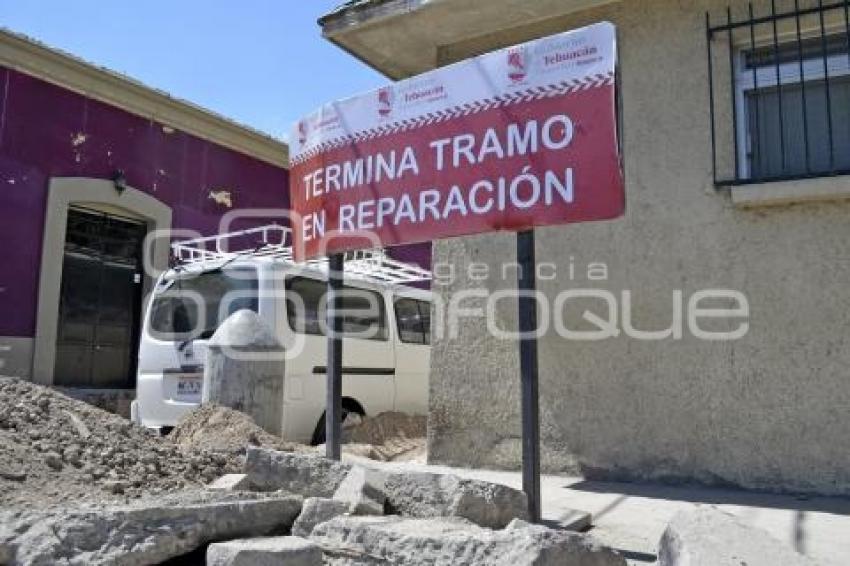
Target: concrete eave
x,y
33,58
402,38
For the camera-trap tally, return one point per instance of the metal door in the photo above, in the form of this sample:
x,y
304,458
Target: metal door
x,y
100,301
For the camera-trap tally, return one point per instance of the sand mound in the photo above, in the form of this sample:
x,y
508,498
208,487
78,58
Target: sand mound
x,y
217,428
387,427
387,437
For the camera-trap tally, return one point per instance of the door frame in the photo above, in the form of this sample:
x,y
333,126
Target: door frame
x,y
97,194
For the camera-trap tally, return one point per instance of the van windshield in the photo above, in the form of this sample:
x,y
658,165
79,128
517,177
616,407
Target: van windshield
x,y
192,307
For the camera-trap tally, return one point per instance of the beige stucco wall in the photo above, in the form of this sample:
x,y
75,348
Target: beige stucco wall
x,y
768,411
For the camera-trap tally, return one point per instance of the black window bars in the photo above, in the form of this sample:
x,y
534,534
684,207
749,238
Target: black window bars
x,y
788,92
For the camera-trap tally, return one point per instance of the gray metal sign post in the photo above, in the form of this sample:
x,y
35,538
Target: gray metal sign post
x,y
333,410
527,285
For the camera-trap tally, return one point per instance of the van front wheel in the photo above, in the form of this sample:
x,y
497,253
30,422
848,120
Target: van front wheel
x,y
352,415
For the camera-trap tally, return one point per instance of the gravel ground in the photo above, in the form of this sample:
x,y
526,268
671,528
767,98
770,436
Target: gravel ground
x,y
55,450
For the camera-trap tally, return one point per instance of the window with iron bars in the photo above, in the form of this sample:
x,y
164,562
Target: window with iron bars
x,y
788,92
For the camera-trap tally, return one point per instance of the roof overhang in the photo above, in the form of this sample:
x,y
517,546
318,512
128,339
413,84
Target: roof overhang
x,y
33,58
402,38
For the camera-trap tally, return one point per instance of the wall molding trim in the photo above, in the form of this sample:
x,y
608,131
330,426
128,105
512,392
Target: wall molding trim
x,y
62,193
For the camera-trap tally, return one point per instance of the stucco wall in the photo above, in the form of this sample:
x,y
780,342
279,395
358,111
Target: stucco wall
x,y
768,411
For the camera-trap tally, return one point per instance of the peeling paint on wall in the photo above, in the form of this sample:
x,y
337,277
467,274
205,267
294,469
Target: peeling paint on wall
x,y
78,139
222,197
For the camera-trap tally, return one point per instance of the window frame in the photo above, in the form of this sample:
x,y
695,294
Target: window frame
x,y
420,305
838,66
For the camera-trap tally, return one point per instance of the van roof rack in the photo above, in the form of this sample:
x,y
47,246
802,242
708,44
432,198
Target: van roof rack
x,y
275,242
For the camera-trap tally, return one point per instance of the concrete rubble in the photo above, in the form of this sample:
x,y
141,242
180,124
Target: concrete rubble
x,y
708,537
80,486
309,475
231,482
144,533
414,494
423,494
317,510
265,551
363,490
399,540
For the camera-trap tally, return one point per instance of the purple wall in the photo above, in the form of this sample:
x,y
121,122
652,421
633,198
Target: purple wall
x,y
39,125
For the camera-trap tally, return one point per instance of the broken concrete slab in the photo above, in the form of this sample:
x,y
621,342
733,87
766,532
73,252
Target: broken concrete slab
x,y
709,537
264,551
399,540
144,533
423,494
317,510
363,490
231,482
309,475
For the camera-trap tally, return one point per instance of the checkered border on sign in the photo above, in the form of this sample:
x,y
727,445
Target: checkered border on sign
x,y
527,95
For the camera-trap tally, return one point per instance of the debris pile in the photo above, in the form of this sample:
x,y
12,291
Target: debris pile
x,y
388,437
55,449
221,429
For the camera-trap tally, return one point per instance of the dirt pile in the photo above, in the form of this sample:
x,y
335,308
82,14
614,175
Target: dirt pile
x,y
388,437
385,437
386,427
216,428
54,449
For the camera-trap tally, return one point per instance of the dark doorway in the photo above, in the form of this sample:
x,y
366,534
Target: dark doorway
x,y
100,300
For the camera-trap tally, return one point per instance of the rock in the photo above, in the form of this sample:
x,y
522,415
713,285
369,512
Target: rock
x,y
53,460
398,540
423,494
708,537
309,475
363,490
115,486
72,456
317,510
266,551
12,475
78,424
231,482
142,533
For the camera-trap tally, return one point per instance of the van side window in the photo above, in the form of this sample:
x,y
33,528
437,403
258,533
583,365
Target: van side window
x,y
304,318
364,310
414,321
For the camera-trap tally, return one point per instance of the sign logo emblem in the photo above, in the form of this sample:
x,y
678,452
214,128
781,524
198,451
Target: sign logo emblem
x,y
517,64
385,101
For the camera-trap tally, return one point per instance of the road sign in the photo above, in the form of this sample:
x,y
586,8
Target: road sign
x,y
517,138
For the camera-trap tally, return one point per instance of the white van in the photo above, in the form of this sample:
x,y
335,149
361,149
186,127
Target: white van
x,y
386,371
